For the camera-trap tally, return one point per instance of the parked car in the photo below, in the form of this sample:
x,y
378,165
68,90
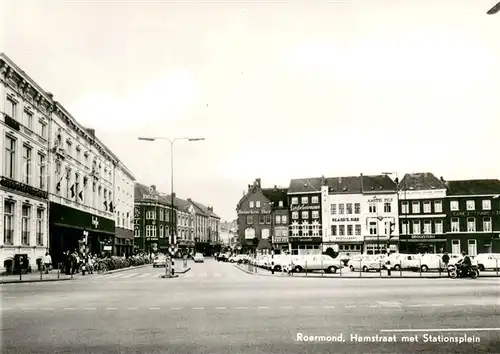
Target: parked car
x,y
198,258
488,261
353,261
405,261
367,263
159,261
317,262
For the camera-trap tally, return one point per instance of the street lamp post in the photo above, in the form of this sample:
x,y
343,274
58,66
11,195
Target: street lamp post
x,y
172,240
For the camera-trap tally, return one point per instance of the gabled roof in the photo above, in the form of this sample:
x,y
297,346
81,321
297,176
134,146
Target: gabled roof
x,y
140,190
474,187
276,194
378,183
305,185
204,210
420,182
348,185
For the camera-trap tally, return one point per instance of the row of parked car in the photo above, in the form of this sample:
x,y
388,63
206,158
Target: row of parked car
x,y
365,263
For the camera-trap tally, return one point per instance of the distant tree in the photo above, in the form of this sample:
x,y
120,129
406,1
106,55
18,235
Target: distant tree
x,y
330,252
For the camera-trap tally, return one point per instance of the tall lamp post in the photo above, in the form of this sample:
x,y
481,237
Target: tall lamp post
x,y
171,141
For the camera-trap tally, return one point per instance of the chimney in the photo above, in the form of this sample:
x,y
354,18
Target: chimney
x,y
189,200
51,95
396,180
361,181
90,131
257,181
340,180
442,179
323,180
153,187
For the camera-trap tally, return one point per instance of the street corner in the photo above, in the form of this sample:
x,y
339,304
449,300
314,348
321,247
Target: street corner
x,y
183,270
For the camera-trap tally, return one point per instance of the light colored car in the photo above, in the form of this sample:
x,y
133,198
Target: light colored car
x,y
405,261
367,263
198,258
317,262
488,261
159,261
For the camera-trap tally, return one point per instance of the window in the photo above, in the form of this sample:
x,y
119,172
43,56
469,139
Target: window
x,y
387,207
305,214
153,231
249,219
333,209
341,209
284,220
416,227
162,231
415,206
295,215
305,228
486,204
373,228
41,171
349,230
27,164
11,107
348,208
454,205
357,208
387,227
265,234
341,230
148,230
372,208
262,219
8,222
251,204
43,129
39,226
280,204
315,229
438,206
404,208
471,205
78,155
455,225
404,227
334,230
304,200
455,246
357,230
471,224
28,119
427,227
315,200
25,225
268,218
487,224
427,207
315,214
257,204
438,226
10,157
278,219
151,215
162,214
295,200
295,229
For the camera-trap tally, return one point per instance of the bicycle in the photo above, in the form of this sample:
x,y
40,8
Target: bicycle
x,y
101,267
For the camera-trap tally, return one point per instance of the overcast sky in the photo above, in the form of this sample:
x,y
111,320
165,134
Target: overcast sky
x,y
279,90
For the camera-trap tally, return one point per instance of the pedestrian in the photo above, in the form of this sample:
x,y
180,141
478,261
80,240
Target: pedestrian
x,y
387,262
47,262
446,260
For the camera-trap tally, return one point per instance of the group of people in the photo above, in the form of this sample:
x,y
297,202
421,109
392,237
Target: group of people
x,y
74,262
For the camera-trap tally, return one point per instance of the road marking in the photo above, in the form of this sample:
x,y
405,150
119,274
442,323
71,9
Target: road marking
x,y
442,330
176,308
131,308
329,307
68,308
350,306
154,308
240,307
415,305
47,308
459,305
373,306
90,308
198,308
111,308
263,307
437,305
220,308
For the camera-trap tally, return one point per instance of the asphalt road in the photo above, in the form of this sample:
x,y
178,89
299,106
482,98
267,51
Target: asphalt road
x,y
216,308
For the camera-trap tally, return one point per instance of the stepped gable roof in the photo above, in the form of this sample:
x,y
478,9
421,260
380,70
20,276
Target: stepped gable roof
x,y
305,185
474,187
276,194
421,181
348,185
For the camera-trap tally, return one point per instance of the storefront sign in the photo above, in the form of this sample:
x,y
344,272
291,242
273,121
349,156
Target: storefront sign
x,y
253,211
422,237
346,238
73,218
344,219
280,239
21,187
380,200
150,196
108,248
304,207
299,239
471,213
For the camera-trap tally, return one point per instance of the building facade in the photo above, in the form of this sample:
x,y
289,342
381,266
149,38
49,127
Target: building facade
x,y
254,219
304,200
380,217
422,214
207,228
152,215
123,187
185,226
343,205
473,208
24,113
278,199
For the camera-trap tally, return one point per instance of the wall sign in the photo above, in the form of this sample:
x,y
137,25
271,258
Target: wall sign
x,y
422,237
304,207
380,200
253,211
280,239
95,222
472,213
346,238
344,219
149,196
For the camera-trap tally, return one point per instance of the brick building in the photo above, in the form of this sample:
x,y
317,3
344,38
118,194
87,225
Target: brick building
x,y
279,217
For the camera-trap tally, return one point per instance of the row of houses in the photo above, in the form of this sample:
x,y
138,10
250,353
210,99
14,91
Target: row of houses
x,y
371,215
61,188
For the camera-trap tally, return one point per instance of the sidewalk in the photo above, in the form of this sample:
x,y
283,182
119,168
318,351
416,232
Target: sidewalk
x,y
347,273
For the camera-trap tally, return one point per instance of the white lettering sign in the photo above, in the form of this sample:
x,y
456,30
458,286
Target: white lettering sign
x,y
95,222
304,207
150,196
344,219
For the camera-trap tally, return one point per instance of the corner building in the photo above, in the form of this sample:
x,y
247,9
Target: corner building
x,y
25,113
304,199
422,214
474,216
278,200
124,215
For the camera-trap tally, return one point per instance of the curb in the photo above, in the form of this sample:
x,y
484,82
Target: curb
x,y
35,281
125,269
358,277
184,271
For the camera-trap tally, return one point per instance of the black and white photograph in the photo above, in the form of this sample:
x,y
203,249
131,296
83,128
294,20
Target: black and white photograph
x,y
261,176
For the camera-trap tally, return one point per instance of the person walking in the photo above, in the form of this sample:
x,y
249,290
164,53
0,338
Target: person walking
x,y
47,262
446,260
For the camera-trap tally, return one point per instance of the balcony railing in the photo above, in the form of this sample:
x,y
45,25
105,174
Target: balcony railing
x,y
21,187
